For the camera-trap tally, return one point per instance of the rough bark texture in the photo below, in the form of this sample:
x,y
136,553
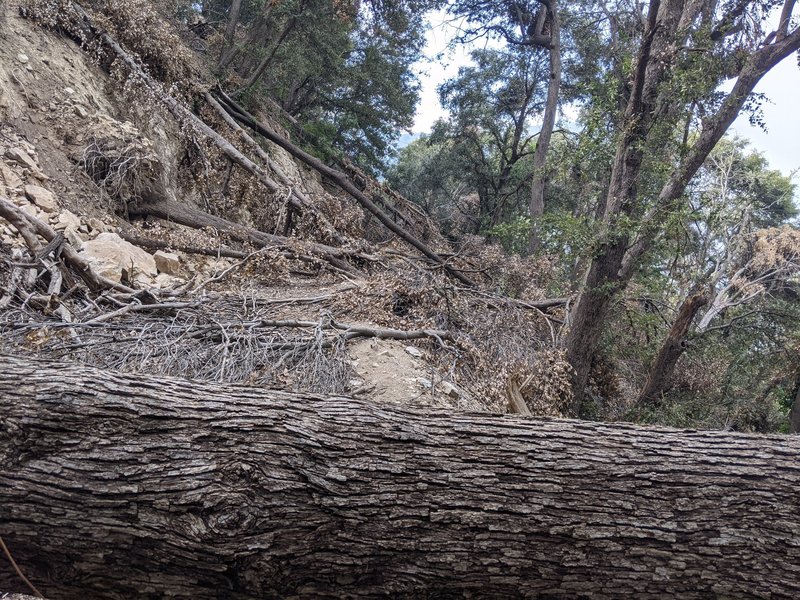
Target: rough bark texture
x,y
121,486
671,350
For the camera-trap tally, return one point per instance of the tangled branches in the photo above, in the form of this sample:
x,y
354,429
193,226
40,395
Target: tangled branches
x,y
120,170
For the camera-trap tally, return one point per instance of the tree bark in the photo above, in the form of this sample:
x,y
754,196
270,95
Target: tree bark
x,y
548,123
671,350
794,413
120,486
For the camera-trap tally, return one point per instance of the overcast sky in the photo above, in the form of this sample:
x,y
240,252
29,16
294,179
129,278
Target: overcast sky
x,y
780,144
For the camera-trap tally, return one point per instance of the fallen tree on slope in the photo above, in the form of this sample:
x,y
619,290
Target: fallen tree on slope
x,y
119,486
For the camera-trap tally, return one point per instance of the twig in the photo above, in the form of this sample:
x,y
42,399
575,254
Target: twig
x,y
138,308
19,572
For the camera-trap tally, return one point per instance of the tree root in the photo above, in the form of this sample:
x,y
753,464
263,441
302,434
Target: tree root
x,y
183,114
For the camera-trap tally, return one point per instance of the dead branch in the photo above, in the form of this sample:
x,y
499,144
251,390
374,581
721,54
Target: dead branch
x,y
516,403
27,224
151,244
340,179
138,307
197,219
352,331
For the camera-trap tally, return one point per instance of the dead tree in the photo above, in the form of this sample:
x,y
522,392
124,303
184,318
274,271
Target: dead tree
x,y
121,486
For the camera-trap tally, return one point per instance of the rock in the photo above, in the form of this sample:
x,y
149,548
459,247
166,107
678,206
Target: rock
x,y
73,237
67,219
11,179
413,351
84,228
97,225
448,389
23,58
69,91
81,112
41,197
168,262
19,156
165,281
33,211
424,382
116,259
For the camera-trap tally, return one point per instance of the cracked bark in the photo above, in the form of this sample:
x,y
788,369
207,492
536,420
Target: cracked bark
x,y
120,486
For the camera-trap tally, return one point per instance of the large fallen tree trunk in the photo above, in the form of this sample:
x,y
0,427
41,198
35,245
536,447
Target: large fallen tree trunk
x,y
122,486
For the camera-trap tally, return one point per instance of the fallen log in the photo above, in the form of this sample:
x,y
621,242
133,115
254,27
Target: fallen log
x,y
30,226
120,486
189,216
340,179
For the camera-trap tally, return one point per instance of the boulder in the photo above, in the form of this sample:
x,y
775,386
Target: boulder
x,y
67,219
19,156
41,197
168,262
114,258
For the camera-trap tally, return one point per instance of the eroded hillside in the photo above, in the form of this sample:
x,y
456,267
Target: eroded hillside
x,y
145,228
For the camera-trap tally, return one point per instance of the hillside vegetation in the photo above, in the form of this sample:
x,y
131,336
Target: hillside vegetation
x,y
210,190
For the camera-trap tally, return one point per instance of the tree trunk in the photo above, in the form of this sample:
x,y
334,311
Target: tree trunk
x,y
671,350
613,266
548,123
794,413
262,66
230,30
122,486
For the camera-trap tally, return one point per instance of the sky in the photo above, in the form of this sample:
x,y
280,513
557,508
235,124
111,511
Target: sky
x,y
780,144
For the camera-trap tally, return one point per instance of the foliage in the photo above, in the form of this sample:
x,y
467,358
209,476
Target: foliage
x,y
340,69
